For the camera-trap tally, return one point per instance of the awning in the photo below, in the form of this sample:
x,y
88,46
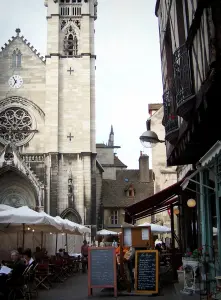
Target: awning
x,y
189,178
211,154
154,204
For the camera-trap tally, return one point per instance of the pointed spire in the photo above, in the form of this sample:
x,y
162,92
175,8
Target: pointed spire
x,y
111,137
112,130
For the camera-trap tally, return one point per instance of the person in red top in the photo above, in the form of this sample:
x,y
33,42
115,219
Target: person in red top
x,y
84,249
84,253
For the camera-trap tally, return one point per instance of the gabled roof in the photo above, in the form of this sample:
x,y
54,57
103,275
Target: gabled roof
x,y
118,163
21,38
113,191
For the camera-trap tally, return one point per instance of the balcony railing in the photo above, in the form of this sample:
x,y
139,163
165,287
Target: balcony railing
x,y
183,81
170,118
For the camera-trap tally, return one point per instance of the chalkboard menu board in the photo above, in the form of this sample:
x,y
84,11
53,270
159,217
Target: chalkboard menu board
x,y
146,271
101,268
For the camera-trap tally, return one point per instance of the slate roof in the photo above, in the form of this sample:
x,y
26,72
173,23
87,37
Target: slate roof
x,y
18,37
118,163
113,191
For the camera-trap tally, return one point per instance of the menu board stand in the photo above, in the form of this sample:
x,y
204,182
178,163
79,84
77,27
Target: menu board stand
x,y
147,272
102,271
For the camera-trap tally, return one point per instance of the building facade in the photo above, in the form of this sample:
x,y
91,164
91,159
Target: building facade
x,y
126,187
164,176
47,116
190,52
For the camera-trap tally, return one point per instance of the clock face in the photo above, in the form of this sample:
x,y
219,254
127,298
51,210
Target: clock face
x,y
15,81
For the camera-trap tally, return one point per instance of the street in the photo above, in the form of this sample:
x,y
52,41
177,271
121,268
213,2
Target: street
x,y
76,288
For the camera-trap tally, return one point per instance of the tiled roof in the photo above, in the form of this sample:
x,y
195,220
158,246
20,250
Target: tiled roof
x,y
113,191
18,37
118,163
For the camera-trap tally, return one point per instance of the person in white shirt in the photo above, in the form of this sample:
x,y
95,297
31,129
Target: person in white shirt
x,y
114,244
28,257
102,244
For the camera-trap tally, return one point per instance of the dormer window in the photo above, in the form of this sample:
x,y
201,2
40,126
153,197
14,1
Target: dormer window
x,y
16,59
130,191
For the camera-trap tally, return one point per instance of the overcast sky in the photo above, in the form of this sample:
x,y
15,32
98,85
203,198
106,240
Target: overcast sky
x,y
128,74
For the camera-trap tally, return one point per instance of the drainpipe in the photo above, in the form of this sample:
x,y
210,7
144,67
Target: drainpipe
x,y
218,218
175,275
202,209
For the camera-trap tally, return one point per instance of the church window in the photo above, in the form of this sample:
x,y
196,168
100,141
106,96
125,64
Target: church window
x,y
71,43
19,59
16,59
15,125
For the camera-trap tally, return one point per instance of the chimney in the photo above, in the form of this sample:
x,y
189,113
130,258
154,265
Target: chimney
x,y
144,167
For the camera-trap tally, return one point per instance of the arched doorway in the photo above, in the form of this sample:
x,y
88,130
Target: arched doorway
x,y
16,190
73,242
72,215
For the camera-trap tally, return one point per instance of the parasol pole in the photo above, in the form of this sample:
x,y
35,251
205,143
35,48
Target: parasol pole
x,y
42,239
23,236
56,244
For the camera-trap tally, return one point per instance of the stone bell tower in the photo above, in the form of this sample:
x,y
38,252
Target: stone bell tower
x,y
70,108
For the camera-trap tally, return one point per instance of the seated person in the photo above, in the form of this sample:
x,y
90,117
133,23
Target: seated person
x,y
28,257
38,255
15,277
61,252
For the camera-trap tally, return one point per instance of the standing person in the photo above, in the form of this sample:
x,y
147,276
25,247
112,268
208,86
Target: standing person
x,y
84,249
114,244
84,253
102,244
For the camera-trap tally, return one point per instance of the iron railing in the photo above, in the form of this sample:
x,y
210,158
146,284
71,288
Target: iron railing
x,y
182,75
170,117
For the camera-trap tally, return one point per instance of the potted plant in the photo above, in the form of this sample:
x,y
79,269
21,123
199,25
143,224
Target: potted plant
x,y
192,258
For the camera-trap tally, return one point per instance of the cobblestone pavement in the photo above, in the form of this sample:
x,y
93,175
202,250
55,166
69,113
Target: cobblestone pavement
x,y
75,288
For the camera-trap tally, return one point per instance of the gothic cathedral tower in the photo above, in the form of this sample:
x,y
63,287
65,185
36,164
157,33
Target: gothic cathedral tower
x,y
70,109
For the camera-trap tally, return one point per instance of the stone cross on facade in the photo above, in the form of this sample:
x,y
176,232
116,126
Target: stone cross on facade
x,y
70,70
70,137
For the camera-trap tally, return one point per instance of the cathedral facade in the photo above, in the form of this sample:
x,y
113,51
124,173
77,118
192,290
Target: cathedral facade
x,y
47,116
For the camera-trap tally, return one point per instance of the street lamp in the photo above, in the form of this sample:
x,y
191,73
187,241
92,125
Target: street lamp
x,y
149,138
191,203
176,210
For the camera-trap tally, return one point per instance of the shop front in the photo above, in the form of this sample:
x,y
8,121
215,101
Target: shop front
x,y
167,199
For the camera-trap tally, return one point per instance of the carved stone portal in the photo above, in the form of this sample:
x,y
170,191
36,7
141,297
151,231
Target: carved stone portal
x,y
16,191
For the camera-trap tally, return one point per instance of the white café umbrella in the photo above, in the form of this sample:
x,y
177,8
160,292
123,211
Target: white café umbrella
x,y
29,218
106,232
72,227
5,207
155,228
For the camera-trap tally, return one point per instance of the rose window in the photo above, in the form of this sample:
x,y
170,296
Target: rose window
x,y
16,125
